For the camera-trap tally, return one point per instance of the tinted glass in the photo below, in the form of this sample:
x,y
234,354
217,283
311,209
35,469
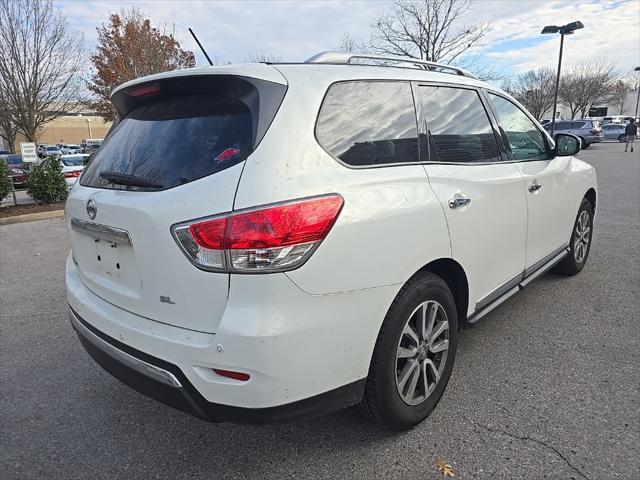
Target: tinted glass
x,y
559,126
13,159
458,126
174,141
525,141
578,124
369,123
73,161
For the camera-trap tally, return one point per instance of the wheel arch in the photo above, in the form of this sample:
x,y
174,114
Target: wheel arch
x,y
455,277
591,196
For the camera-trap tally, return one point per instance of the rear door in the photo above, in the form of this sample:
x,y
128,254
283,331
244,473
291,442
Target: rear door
x,y
482,197
550,196
176,155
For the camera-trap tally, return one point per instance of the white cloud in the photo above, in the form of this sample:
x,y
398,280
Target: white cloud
x,y
295,30
611,32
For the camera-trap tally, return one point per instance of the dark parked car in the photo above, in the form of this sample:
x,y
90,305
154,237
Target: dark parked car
x,y
18,175
589,131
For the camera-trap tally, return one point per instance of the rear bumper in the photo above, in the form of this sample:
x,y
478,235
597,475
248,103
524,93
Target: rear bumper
x,y
306,354
167,384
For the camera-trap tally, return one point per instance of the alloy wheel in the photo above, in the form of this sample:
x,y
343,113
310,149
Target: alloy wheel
x,y
422,352
582,237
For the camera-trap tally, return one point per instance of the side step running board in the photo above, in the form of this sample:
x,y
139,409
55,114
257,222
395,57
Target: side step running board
x,y
478,314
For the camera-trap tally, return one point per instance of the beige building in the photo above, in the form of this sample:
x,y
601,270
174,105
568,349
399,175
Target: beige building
x,y
70,129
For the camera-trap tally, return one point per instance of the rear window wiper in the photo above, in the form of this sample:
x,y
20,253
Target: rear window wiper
x,y
128,179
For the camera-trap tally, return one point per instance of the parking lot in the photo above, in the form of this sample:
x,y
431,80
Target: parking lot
x,y
546,386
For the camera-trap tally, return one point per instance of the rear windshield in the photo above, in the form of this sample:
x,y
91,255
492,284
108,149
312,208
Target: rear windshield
x,y
174,141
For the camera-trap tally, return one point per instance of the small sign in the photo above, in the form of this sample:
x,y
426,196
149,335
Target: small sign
x,y
28,151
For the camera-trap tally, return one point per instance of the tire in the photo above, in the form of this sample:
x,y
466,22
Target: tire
x,y
574,262
585,145
383,402
622,138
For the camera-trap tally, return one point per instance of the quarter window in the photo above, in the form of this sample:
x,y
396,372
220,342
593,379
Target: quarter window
x,y
526,142
369,123
458,126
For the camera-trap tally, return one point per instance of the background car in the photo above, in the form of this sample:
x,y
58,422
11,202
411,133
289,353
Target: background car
x,y
18,175
90,145
51,150
71,148
589,131
614,131
72,167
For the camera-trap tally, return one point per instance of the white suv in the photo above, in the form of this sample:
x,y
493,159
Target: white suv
x,y
260,242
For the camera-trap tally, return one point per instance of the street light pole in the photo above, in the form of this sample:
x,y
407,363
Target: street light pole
x,y
637,69
567,29
555,95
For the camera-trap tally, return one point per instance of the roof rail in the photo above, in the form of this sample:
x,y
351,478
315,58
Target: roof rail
x,y
341,58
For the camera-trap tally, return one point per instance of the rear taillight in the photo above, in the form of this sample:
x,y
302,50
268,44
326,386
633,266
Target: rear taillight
x,y
268,239
72,174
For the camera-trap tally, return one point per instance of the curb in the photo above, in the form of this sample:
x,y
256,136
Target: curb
x,y
28,217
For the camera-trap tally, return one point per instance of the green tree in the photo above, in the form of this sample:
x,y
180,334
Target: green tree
x,y
46,183
5,180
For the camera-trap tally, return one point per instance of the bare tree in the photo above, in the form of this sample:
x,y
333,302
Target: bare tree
x,y
349,44
8,129
618,96
41,64
534,89
585,85
263,56
427,29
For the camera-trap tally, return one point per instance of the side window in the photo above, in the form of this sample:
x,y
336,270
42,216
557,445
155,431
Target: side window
x,y
369,123
577,124
458,126
526,142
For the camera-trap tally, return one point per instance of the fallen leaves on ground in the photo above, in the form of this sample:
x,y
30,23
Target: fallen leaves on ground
x,y
444,468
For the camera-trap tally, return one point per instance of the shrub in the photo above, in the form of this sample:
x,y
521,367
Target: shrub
x,y
5,180
46,183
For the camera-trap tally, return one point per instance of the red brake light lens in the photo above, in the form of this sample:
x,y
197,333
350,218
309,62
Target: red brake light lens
x,y
72,174
291,224
145,91
210,233
270,239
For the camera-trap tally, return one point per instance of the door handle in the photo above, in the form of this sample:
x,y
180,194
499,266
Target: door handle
x,y
459,200
535,186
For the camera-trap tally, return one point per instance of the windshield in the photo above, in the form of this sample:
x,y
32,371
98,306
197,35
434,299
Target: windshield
x,y
174,141
73,161
13,159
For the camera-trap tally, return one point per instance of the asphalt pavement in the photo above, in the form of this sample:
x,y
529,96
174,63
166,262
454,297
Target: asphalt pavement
x,y
546,386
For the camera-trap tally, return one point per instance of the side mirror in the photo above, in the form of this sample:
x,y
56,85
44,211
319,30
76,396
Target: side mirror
x,y
567,144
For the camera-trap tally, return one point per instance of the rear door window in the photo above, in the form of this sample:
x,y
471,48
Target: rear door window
x,y
578,124
458,126
365,123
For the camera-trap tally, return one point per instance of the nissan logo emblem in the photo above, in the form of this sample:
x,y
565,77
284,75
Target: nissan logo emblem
x,y
91,208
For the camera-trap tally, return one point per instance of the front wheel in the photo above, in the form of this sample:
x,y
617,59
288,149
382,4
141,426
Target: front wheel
x,y
622,138
580,244
414,354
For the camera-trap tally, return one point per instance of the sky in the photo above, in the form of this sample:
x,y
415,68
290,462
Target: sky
x,y
295,30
